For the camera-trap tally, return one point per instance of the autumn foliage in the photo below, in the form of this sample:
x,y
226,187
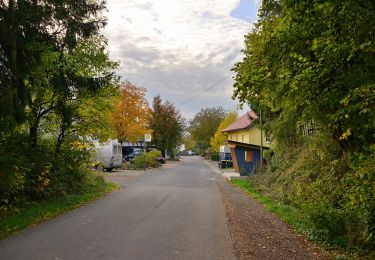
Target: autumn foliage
x,y
130,116
219,137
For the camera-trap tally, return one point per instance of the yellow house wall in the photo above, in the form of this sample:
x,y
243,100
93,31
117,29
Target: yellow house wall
x,y
249,136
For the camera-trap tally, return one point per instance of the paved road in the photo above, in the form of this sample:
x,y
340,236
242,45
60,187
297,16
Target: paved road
x,y
174,213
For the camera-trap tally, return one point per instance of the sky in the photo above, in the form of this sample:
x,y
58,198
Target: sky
x,y
180,48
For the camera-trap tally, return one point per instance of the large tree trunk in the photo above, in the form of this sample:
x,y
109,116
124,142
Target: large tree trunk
x,y
33,136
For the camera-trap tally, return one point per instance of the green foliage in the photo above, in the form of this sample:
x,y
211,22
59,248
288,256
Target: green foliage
x,y
311,75
335,192
215,157
189,142
204,125
56,84
305,64
95,187
152,158
147,160
39,174
25,38
167,126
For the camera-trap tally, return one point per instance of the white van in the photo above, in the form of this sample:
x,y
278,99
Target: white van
x,y
109,154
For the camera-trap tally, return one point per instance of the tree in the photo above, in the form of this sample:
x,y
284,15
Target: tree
x,y
28,31
167,126
311,64
219,137
55,83
81,109
188,141
130,117
312,68
204,125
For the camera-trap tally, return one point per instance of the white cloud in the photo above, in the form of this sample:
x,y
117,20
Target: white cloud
x,y
177,48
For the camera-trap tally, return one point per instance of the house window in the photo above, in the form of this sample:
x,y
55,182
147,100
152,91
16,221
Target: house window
x,y
249,156
242,138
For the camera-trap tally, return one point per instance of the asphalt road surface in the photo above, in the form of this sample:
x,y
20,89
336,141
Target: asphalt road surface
x,y
171,213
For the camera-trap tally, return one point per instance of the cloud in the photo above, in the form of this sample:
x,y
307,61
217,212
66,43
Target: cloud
x,y
177,48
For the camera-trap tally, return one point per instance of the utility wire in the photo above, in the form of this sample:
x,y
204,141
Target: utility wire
x,y
208,88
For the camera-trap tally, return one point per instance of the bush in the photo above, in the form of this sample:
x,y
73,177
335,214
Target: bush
x,y
38,173
140,162
335,190
13,171
215,157
152,158
149,160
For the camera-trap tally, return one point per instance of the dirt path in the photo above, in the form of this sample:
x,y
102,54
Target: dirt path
x,y
258,234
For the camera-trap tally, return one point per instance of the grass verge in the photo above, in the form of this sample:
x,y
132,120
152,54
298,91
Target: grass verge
x,y
37,213
288,214
297,220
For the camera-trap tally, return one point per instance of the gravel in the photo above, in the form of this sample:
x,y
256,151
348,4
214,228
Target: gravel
x,y
258,234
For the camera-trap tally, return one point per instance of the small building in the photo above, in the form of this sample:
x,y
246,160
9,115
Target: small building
x,y
244,140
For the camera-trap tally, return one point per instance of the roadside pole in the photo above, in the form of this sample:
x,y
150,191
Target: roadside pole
x,y
146,140
144,156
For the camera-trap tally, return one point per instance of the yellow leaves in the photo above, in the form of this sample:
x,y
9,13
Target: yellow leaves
x,y
346,134
43,178
130,117
219,138
345,101
80,145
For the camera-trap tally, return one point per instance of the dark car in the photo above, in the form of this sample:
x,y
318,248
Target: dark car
x,y
162,160
129,156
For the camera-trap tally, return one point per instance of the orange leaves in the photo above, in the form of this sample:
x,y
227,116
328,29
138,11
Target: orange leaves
x,y
130,116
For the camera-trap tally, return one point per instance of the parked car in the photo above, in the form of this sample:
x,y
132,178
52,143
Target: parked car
x,y
162,160
128,157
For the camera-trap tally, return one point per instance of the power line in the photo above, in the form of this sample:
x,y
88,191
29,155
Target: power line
x,y
208,88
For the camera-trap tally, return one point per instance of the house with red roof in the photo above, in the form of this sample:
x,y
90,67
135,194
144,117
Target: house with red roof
x,y
245,142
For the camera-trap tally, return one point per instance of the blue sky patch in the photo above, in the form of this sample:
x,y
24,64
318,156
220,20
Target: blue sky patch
x,y
247,10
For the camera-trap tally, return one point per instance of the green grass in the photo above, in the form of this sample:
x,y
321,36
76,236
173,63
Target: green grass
x,y
37,213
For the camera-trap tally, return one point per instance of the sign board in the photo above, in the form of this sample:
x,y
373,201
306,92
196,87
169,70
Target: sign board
x,y
148,138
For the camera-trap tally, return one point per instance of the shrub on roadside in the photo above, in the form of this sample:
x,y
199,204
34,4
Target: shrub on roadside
x,y
36,174
146,161
336,191
152,158
215,157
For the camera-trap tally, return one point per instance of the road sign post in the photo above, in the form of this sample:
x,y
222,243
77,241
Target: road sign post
x,y
147,139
